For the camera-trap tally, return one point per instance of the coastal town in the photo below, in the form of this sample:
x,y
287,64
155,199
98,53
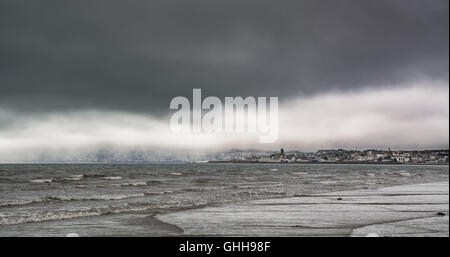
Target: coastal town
x,y
345,156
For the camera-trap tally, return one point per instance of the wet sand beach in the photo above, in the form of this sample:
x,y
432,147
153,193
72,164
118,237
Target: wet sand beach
x,y
406,210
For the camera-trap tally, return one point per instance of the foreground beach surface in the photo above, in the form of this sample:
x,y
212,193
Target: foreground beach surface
x,y
407,210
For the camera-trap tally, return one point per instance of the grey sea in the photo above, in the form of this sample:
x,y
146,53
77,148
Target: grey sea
x,y
144,199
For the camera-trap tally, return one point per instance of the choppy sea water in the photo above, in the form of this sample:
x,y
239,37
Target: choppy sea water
x,y
121,199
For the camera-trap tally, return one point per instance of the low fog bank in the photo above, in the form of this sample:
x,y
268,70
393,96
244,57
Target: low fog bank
x,y
410,116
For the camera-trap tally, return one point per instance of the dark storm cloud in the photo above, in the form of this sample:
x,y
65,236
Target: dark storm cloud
x,y
137,55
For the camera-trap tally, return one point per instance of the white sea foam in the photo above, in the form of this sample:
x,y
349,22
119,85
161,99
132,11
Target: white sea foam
x,y
69,198
42,180
128,184
112,178
326,182
71,179
299,173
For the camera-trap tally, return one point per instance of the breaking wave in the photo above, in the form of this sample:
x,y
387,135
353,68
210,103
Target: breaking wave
x,y
41,180
62,214
112,177
130,184
51,198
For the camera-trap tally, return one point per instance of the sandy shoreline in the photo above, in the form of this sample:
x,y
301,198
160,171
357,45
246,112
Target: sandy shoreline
x,y
406,210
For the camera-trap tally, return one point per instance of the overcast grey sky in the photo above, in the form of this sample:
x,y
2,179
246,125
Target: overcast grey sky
x,y
137,55
134,56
